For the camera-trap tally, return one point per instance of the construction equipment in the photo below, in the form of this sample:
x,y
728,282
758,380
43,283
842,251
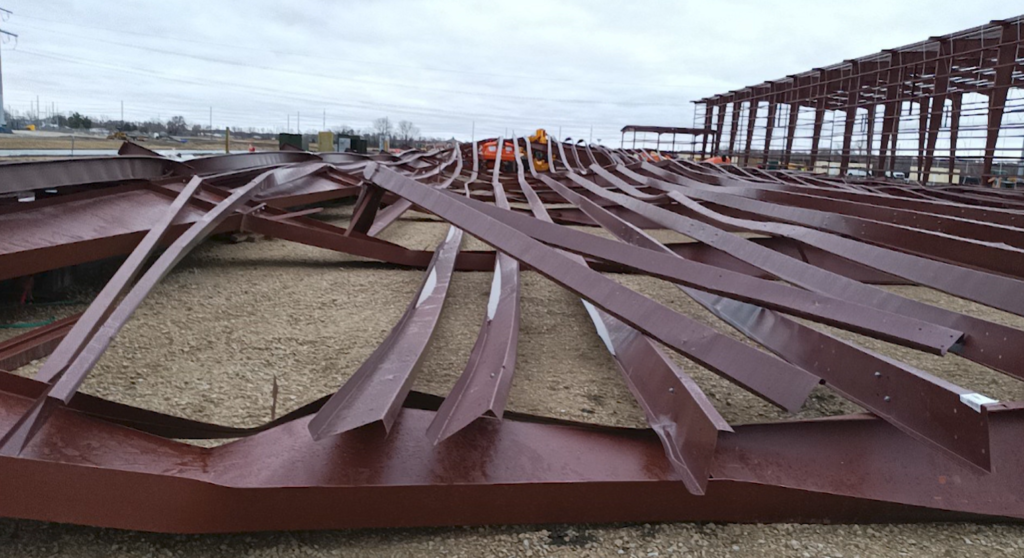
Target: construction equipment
x,y
539,141
653,156
489,152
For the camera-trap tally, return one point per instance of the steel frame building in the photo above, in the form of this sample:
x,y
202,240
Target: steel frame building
x,y
928,107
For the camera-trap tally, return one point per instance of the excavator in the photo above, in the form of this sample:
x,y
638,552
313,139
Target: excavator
x,y
509,153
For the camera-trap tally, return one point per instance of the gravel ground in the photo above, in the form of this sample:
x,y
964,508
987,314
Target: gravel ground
x,y
208,343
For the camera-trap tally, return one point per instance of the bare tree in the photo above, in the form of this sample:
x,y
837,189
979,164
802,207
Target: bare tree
x,y
177,125
407,131
382,126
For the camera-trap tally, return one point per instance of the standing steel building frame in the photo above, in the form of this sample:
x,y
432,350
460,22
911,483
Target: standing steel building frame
x,y
940,109
925,448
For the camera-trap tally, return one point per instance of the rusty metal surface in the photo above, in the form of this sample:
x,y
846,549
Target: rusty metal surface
x,y
35,344
785,472
675,407
374,394
994,290
774,380
484,384
929,450
22,177
977,70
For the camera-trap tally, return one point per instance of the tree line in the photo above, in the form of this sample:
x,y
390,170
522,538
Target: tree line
x,y
399,134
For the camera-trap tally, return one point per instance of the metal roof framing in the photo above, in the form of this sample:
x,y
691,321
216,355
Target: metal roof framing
x,y
926,449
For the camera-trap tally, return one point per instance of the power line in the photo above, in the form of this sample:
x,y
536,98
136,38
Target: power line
x,y
363,63
276,93
400,85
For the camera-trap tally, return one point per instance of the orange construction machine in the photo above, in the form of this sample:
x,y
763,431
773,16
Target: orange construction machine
x,y
489,152
509,153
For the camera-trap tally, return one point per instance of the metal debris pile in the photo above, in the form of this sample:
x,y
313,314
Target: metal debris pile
x,y
926,450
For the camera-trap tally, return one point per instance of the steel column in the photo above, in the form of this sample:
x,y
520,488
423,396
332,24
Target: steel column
x,y
922,135
752,105
734,129
769,128
954,133
1005,63
852,98
943,66
719,129
794,115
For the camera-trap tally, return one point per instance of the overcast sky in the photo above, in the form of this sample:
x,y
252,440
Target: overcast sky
x,y
443,65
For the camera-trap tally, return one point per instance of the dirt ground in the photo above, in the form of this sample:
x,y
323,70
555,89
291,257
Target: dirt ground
x,y
210,339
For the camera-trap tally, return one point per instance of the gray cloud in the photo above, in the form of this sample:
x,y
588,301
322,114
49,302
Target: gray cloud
x,y
444,65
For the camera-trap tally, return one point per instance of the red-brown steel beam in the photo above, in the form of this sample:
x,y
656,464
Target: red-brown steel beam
x,y
954,133
794,117
375,392
819,120
996,258
988,288
734,127
987,343
852,98
856,387
922,135
889,117
752,107
1005,63
708,109
79,352
938,101
870,144
819,200
676,408
35,344
60,173
101,307
484,384
769,129
774,380
113,476
719,129
724,283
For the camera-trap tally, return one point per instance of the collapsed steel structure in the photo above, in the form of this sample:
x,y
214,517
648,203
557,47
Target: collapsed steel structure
x,y
926,449
924,91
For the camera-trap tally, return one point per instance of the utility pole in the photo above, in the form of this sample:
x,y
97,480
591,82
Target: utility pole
x,y
289,126
4,14
211,119
298,122
591,135
122,111
472,133
325,121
